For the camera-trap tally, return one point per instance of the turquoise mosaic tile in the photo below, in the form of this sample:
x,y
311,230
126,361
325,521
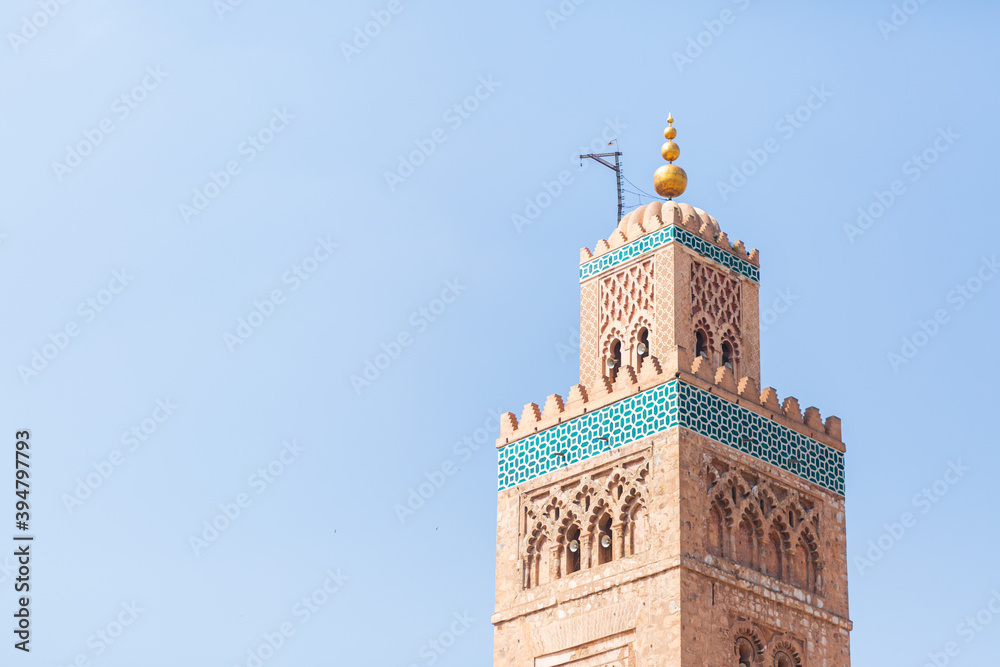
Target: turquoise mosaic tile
x,y
654,411
660,238
639,416
749,432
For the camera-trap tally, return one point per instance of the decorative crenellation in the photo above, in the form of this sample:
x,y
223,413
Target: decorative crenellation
x,y
582,399
692,226
667,392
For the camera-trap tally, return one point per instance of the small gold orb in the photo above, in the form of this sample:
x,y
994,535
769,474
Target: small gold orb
x,y
670,132
670,181
670,151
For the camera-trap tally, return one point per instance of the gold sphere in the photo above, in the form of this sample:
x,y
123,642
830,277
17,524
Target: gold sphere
x,y
670,151
670,132
670,181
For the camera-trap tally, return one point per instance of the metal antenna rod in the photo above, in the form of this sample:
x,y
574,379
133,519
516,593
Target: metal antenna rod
x,y
616,167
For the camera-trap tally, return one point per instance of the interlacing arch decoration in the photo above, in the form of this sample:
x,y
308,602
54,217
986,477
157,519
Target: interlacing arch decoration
x,y
602,508
634,519
600,525
584,523
569,543
627,295
704,339
715,296
806,567
758,523
537,569
614,336
729,350
777,546
748,537
636,335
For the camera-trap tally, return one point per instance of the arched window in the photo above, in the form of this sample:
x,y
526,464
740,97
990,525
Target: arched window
x,y
642,348
727,356
701,343
536,564
715,532
637,530
573,550
614,360
604,540
745,543
745,652
782,659
800,570
772,556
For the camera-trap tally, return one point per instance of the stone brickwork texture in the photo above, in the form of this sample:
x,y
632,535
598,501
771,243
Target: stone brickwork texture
x,y
709,532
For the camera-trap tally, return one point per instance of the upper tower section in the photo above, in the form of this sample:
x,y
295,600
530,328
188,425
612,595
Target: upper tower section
x,y
668,276
668,511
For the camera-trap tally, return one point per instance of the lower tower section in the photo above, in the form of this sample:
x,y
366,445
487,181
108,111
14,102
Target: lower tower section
x,y
763,564
674,518
582,581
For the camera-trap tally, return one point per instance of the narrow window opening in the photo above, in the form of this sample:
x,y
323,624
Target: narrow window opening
x,y
715,532
573,550
701,343
614,361
604,553
642,348
745,651
727,355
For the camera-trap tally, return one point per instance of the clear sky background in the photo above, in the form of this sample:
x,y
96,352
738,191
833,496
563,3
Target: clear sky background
x,y
847,297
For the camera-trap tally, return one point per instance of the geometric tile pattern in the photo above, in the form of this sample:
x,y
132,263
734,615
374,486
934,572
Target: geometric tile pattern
x,y
664,406
662,237
729,424
638,416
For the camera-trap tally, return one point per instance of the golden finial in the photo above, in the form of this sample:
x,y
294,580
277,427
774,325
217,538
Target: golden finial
x,y
670,180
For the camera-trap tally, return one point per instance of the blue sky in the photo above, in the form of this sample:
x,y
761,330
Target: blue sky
x,y
173,169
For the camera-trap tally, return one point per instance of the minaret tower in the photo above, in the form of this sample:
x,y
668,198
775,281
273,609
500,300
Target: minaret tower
x,y
667,512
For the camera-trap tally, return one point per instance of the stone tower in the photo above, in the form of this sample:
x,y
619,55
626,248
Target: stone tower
x,y
667,512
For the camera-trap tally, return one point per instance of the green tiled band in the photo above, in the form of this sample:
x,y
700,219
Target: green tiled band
x,y
749,432
635,417
660,238
654,411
